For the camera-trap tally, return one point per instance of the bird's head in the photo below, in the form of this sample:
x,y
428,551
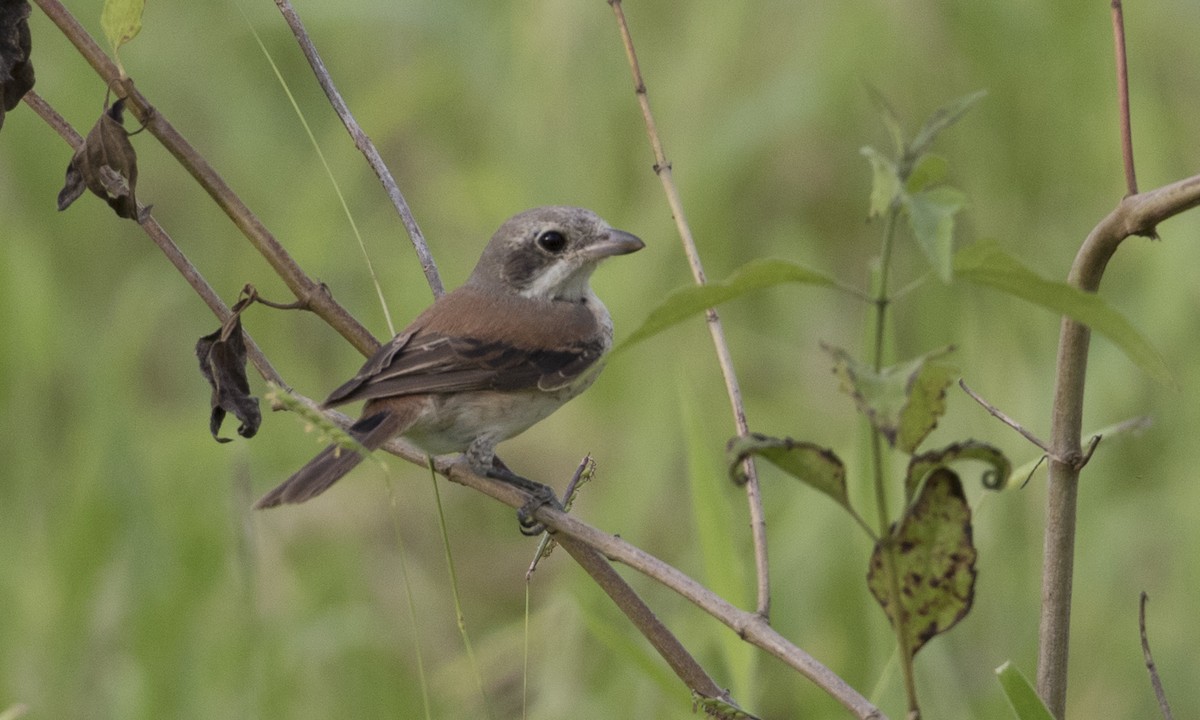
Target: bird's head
x,y
549,253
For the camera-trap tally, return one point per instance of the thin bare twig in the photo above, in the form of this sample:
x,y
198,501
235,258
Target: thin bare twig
x,y
662,167
1155,680
1118,23
586,467
999,415
365,146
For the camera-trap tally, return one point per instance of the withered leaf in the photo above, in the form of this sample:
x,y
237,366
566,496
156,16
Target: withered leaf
x,y
222,356
106,164
16,70
933,557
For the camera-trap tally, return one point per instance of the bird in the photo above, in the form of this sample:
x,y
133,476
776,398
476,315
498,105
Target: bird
x,y
521,337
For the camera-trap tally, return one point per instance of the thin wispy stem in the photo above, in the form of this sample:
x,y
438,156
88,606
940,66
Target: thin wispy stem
x,y
363,142
662,167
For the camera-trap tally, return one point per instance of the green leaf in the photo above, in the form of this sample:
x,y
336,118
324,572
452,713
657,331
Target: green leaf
x,y
719,708
1021,696
904,401
984,263
885,181
815,466
942,118
890,120
14,711
920,466
121,20
931,219
934,561
929,171
691,300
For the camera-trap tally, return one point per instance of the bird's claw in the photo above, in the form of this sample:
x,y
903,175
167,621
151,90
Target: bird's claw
x,y
529,525
539,495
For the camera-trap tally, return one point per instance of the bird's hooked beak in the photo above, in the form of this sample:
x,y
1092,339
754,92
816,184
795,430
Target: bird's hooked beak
x,y
617,242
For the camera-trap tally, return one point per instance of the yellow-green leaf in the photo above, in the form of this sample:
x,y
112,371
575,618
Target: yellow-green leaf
x,y
691,300
885,181
121,20
1020,694
984,263
931,219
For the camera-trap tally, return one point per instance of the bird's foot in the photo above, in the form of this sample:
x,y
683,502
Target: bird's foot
x,y
539,495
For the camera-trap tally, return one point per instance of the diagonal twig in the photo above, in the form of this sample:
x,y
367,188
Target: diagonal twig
x,y
313,294
363,142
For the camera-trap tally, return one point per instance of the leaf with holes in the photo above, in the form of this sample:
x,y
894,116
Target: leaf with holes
x,y
933,559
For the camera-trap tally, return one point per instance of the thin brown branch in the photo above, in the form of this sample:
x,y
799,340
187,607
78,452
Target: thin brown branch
x,y
1118,23
165,243
640,614
303,287
751,627
1135,215
363,142
999,415
662,167
1155,680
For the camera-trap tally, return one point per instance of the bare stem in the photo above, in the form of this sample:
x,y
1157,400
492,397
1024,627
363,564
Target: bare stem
x,y
365,146
1134,215
1118,23
1155,680
662,167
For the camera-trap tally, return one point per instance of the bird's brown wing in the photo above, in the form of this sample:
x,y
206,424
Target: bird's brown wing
x,y
426,360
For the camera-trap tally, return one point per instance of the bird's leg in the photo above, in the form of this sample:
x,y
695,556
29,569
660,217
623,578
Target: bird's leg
x,y
481,456
539,495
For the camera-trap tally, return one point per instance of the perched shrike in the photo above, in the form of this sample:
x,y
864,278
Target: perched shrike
x,y
524,335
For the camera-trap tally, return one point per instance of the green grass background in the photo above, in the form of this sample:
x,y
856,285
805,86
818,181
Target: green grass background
x,y
135,582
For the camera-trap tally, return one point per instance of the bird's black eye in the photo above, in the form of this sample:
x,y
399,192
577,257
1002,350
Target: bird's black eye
x,y
552,241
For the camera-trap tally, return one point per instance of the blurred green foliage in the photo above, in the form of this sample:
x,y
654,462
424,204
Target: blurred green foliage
x,y
136,584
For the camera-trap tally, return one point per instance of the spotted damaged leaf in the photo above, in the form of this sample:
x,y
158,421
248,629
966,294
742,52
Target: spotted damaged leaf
x,y
905,401
933,558
222,356
106,164
16,70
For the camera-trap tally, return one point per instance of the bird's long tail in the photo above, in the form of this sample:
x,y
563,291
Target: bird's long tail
x,y
333,462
